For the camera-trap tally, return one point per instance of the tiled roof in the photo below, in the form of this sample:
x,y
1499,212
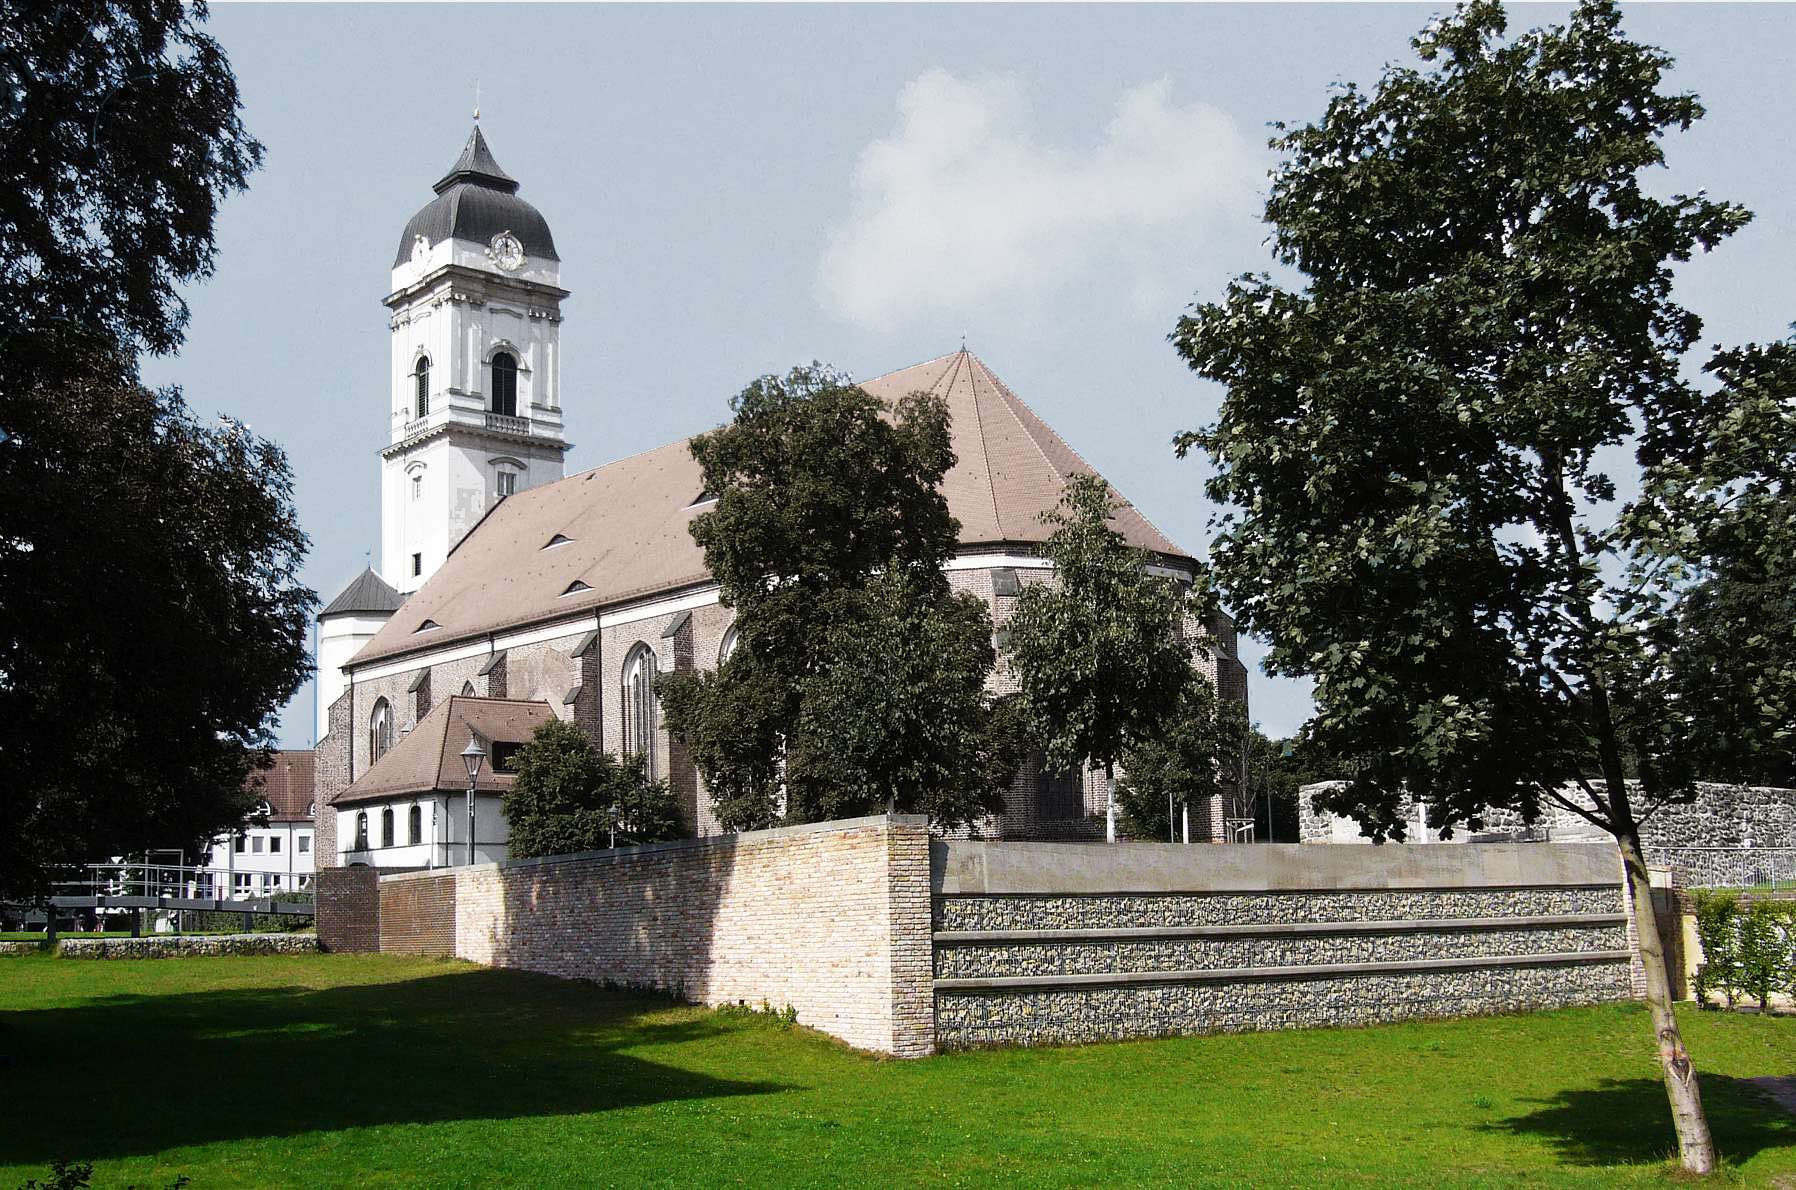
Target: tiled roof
x,y
286,786
625,523
367,592
428,758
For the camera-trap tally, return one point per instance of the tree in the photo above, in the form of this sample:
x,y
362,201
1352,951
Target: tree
x,y
122,136
569,796
1717,534
1196,755
828,539
1414,441
1097,651
152,623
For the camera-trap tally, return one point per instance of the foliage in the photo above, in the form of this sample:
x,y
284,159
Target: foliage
x,y
64,1175
1720,472
122,137
569,796
1277,770
1414,442
226,922
152,622
1098,652
1717,914
828,539
566,1069
1764,950
1196,755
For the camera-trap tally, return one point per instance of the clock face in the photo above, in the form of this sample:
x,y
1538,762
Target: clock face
x,y
506,252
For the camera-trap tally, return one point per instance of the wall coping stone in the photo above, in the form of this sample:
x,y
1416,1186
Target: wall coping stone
x,y
974,867
843,825
1309,971
1279,929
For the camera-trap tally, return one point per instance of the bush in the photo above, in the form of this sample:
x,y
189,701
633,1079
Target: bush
x,y
571,797
1765,959
1717,915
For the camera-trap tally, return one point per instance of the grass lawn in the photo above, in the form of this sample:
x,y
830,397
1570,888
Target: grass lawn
x,y
330,1070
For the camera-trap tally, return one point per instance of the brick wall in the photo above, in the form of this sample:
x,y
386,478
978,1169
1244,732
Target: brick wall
x,y
330,776
830,918
347,908
417,913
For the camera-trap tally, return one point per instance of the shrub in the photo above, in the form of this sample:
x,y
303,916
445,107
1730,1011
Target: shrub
x,y
1717,915
1764,951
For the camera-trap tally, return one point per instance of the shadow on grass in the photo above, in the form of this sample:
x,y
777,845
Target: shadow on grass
x,y
1628,1121
135,1075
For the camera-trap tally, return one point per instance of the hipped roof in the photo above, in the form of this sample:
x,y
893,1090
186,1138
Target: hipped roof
x,y
427,759
286,785
626,522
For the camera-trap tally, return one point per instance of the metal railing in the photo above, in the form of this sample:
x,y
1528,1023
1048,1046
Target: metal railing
x,y
1727,867
141,880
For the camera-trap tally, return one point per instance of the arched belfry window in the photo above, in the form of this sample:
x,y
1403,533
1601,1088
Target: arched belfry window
x,y
641,714
421,377
380,730
505,383
727,647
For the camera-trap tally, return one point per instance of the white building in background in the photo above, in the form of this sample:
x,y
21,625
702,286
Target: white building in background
x,y
259,860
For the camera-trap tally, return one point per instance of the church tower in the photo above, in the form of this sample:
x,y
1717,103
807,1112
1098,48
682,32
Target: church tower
x,y
476,386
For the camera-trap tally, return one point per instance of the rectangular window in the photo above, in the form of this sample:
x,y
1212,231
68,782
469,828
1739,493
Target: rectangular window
x,y
417,487
417,565
508,483
255,845
1062,794
240,883
270,881
274,844
305,844
238,844
305,882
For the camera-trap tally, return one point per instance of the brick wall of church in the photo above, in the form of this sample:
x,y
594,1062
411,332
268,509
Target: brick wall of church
x,y
832,919
330,776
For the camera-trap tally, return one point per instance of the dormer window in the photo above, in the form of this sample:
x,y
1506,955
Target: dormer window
x,y
505,384
421,379
702,498
575,587
426,626
558,539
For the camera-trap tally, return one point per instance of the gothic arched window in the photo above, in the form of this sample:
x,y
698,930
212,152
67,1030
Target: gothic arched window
x,y
415,823
380,730
421,376
641,715
505,384
361,830
386,828
727,647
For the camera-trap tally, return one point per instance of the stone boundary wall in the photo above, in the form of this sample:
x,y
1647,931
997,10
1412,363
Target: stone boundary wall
x,y
1056,943
184,946
831,919
11,948
417,913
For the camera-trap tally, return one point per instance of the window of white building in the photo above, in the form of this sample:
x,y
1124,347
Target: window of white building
x,y
305,844
255,844
240,882
274,844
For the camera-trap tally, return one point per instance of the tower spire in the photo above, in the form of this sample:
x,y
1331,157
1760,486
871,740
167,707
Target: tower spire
x,y
476,100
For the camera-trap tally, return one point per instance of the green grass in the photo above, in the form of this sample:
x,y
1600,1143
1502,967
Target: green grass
x,y
333,1070
38,935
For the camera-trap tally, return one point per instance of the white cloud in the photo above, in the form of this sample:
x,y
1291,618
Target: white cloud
x,y
963,205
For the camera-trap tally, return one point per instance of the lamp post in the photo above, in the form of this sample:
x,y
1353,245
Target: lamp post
x,y
472,756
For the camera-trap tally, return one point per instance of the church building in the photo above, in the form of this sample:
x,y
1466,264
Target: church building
x,y
508,592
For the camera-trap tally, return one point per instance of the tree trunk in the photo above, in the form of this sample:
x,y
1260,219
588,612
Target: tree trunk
x,y
1694,1143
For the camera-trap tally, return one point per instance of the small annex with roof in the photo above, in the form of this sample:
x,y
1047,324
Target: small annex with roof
x,y
574,594
407,810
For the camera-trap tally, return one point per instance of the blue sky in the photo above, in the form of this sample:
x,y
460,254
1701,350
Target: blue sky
x,y
737,189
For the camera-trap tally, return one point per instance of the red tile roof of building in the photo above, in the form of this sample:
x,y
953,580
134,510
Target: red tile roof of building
x,y
286,786
428,758
625,523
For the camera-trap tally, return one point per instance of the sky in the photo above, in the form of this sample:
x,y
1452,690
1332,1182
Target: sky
x,y
734,190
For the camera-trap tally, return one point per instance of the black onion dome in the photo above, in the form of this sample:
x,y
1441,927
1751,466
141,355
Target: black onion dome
x,y
476,200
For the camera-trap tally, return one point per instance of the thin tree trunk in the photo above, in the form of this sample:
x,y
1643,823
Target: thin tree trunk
x,y
1695,1146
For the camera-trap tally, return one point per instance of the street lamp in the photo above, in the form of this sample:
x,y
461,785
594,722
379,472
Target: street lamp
x,y
472,756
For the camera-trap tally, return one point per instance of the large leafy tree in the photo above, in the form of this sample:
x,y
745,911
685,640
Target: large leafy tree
x,y
857,681
1717,564
1097,652
1195,755
1414,437
569,796
152,623
121,136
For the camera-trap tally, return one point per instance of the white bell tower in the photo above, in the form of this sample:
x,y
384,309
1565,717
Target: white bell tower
x,y
476,385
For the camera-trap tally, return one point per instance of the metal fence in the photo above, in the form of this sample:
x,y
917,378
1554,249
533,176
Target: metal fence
x,y
1727,867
